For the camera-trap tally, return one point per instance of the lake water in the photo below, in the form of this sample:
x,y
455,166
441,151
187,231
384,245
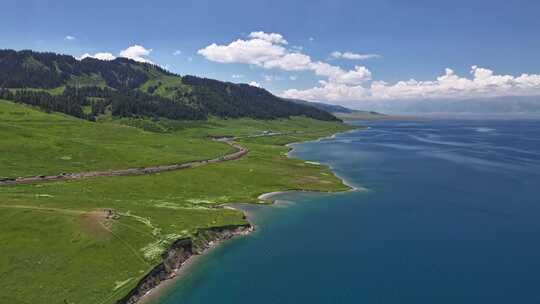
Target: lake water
x,y
450,214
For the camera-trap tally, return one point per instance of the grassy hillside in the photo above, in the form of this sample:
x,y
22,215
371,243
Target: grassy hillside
x,y
57,244
35,143
90,88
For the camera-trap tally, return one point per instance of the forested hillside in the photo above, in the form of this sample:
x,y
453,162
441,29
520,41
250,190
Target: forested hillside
x,y
122,87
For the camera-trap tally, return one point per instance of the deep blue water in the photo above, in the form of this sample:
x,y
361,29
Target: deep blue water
x,y
450,214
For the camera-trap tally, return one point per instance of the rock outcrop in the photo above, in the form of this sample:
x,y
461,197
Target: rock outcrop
x,y
178,253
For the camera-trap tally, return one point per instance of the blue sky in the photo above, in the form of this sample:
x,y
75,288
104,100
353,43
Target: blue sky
x,y
414,39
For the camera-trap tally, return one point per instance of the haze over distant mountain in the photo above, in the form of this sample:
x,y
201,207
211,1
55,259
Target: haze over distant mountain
x,y
517,105
323,106
343,112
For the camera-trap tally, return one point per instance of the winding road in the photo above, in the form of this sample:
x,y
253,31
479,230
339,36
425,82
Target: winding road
x,y
240,152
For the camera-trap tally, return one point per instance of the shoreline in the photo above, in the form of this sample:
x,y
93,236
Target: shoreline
x,y
343,180
155,292
179,257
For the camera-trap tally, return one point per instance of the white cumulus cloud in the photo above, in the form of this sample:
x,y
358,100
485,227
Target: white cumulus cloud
x,y
268,51
253,51
328,91
336,74
482,83
289,62
101,56
69,37
136,52
177,53
270,37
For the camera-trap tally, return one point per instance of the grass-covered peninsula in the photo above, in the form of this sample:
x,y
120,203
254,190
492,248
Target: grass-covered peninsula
x,y
59,245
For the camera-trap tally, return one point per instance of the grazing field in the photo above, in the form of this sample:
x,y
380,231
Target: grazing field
x,y
37,143
59,245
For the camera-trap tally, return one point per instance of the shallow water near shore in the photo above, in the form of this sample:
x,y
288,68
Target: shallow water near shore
x,y
450,215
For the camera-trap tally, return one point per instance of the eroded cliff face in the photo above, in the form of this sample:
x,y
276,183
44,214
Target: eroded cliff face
x,y
178,253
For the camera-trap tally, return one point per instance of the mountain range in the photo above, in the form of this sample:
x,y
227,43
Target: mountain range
x,y
122,87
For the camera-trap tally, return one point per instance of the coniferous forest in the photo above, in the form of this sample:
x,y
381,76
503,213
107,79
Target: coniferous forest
x,y
90,87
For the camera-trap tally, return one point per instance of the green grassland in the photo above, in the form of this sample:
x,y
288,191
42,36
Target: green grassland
x,y
35,143
57,247
165,85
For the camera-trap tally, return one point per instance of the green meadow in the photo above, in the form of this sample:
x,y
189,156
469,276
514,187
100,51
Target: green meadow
x,y
37,143
57,245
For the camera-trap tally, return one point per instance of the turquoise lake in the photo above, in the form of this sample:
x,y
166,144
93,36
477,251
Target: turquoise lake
x,y
449,213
